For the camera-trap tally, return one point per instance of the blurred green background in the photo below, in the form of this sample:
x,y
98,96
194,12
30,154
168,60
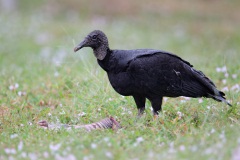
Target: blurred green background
x,y
42,78
176,26
206,33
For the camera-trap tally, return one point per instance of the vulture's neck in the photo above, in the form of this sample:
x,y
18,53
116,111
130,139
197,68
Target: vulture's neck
x,y
105,63
101,51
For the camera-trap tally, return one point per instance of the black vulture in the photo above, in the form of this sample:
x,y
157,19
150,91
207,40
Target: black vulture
x,y
149,74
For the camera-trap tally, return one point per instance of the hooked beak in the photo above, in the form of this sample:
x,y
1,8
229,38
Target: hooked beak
x,y
81,45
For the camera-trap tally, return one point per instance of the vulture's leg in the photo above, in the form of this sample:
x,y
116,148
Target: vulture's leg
x,y
157,106
140,102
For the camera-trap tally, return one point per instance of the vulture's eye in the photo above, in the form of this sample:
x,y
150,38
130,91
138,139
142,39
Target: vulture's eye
x,y
94,37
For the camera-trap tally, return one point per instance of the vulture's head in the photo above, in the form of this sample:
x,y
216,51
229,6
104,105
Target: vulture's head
x,y
98,41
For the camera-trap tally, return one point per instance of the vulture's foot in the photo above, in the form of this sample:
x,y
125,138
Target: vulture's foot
x,y
155,117
140,112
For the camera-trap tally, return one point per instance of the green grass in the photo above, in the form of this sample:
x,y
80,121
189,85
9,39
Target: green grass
x,y
37,54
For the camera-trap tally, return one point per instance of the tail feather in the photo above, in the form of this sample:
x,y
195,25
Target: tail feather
x,y
212,92
220,98
221,93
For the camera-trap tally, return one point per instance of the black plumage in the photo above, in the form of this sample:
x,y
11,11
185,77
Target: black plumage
x,y
148,73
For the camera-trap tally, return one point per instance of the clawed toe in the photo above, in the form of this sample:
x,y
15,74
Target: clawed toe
x,y
155,117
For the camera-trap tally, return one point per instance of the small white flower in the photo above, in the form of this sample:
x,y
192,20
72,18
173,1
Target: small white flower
x,y
24,154
151,154
135,144
20,146
226,75
224,81
93,146
225,89
222,136
224,69
108,154
58,157
124,109
86,157
54,147
212,131
218,69
32,156
208,151
29,123
235,87
45,154
180,114
10,151
11,87
234,76
60,105
49,114
165,99
139,139
68,149
187,98
200,100
56,74
81,114
22,125
19,93
106,139
14,136
194,148
182,148
16,85
208,107
236,154
171,147
183,101
70,157
62,112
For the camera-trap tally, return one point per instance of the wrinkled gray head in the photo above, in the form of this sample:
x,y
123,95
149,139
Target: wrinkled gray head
x,y
98,41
